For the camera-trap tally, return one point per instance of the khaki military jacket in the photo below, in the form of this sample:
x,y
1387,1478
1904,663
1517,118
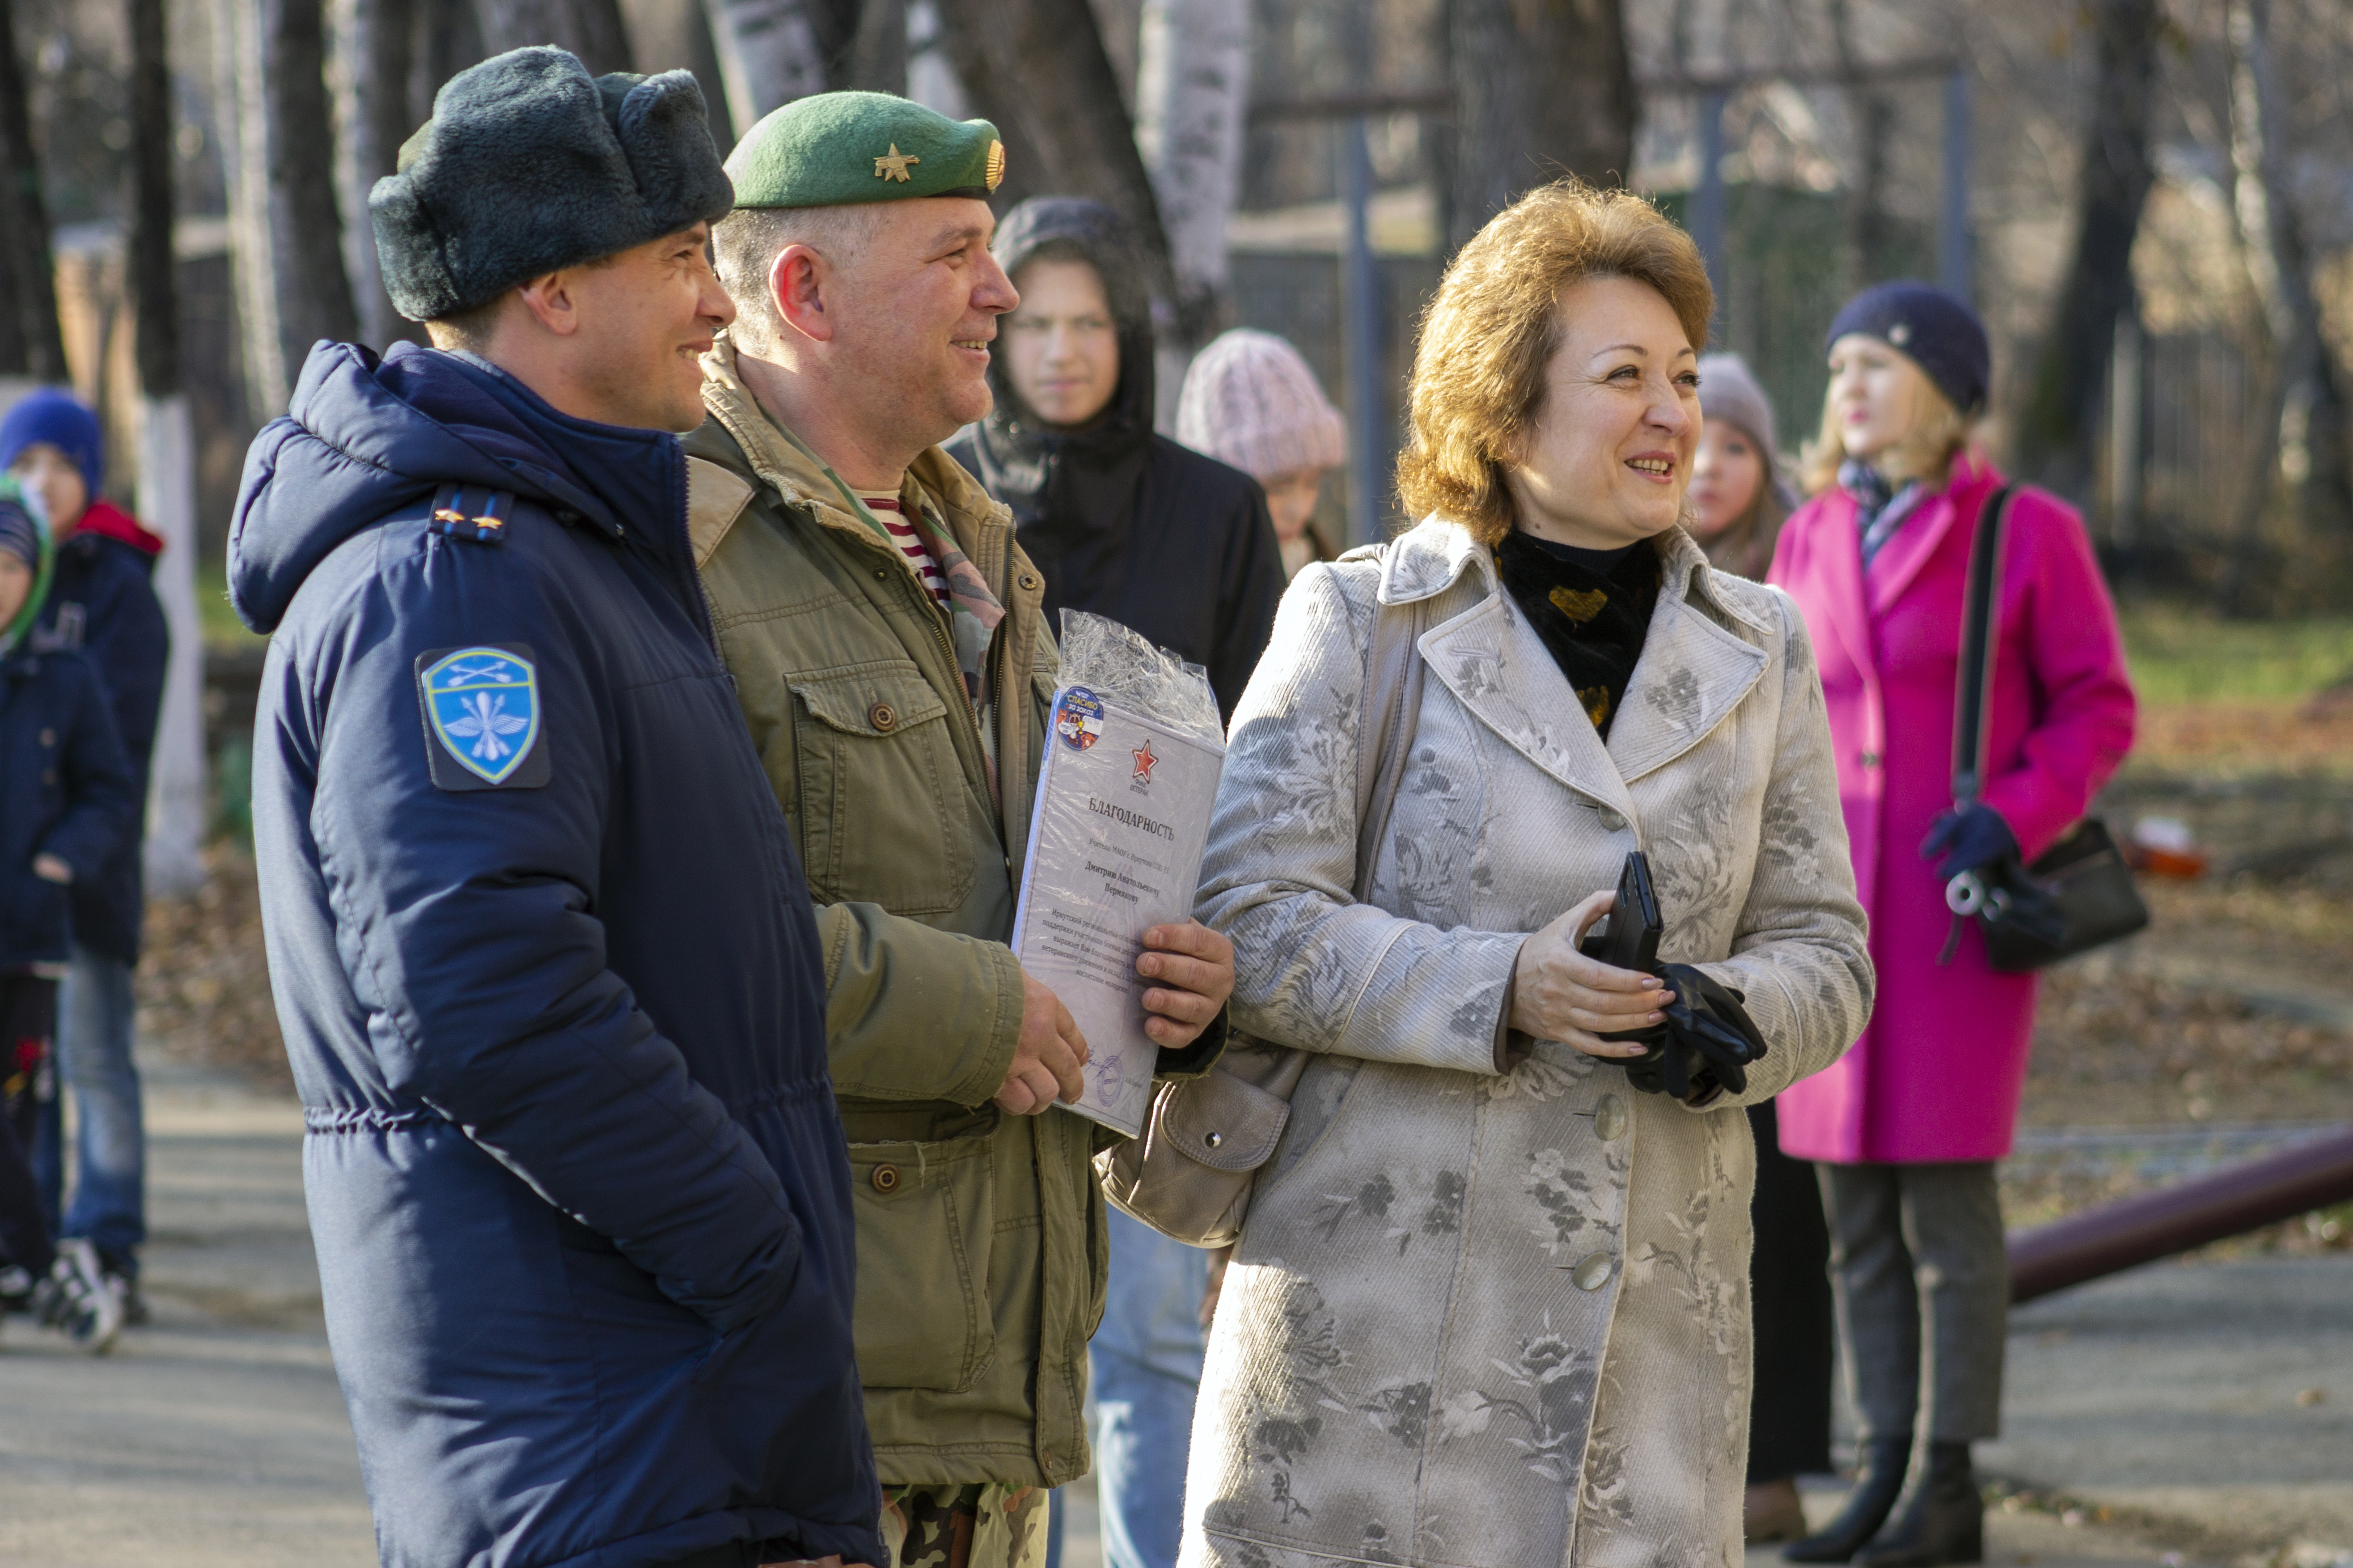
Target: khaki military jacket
x,y
981,1240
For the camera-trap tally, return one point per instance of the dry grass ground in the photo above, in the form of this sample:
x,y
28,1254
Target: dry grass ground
x,y
204,986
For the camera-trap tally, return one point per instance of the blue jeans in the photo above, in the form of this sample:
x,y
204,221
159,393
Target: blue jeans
x,y
109,1193
1147,1369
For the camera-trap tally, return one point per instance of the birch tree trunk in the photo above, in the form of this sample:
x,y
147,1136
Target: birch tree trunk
x,y
167,469
38,341
307,223
286,230
374,63
1037,71
1539,91
1192,91
244,112
591,29
2301,441
2061,426
774,51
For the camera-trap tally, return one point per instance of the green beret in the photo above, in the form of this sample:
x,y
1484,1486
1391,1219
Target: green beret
x,y
842,149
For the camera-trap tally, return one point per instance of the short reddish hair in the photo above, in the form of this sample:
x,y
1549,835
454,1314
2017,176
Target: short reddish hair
x,y
1479,370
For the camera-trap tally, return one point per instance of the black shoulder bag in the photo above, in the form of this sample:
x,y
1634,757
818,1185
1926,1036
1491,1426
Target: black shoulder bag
x,y
2078,894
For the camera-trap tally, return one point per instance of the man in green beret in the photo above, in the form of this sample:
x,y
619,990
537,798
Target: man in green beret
x,y
886,639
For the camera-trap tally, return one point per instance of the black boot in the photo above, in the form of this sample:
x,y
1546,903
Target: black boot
x,y
1942,1520
1867,1506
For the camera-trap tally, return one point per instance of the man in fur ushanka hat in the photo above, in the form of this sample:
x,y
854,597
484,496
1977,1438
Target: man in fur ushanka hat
x,y
545,961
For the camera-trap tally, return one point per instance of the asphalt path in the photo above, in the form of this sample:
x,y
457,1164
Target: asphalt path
x,y
2186,1413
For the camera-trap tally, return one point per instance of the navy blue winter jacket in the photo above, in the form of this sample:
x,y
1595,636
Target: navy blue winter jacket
x,y
579,1191
103,602
65,791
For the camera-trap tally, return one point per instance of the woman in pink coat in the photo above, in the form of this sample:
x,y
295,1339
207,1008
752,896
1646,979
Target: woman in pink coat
x,y
1909,1123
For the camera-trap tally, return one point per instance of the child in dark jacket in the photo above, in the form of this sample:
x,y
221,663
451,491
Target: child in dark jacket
x,y
101,605
66,800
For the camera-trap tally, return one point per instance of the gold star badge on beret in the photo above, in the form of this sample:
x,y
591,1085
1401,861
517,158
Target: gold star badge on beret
x,y
895,166
996,172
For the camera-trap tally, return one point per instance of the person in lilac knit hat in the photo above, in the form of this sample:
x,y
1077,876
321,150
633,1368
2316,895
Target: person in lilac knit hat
x,y
1250,401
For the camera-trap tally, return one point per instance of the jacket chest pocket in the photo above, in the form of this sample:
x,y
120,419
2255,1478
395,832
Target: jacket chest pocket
x,y
882,809
926,1216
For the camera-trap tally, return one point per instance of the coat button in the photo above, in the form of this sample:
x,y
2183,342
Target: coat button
x,y
1213,1139
886,1178
49,737
883,716
1609,1118
1871,759
1028,579
1612,819
1592,1271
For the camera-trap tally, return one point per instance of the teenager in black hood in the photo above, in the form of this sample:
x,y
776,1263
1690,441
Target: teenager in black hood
x,y
1121,522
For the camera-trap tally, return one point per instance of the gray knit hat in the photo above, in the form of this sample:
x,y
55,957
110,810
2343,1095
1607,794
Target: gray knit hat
x,y
1250,401
529,164
1727,392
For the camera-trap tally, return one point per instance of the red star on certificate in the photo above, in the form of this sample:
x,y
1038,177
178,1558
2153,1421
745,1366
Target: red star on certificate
x,y
1144,760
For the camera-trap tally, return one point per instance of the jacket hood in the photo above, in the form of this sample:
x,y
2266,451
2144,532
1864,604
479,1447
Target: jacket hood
x,y
365,437
107,521
1016,454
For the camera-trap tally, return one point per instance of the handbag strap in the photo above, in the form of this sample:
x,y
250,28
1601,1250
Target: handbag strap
x,y
1976,694
1385,724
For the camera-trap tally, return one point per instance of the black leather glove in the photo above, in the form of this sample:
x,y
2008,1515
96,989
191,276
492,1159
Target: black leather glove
x,y
1708,1044
1967,840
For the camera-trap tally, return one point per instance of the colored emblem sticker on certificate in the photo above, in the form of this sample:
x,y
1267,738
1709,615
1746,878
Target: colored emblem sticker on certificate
x,y
482,717
1116,845
1079,718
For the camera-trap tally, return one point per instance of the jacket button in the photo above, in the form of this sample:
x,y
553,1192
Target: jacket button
x,y
1609,1118
1612,819
49,737
883,716
1213,1139
1871,759
886,1178
1592,1271
1028,579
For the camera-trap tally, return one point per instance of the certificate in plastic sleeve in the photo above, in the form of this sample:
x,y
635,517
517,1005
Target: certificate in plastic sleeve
x,y
1115,846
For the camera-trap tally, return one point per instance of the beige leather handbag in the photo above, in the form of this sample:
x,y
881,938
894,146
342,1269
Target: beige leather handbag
x,y
1189,1175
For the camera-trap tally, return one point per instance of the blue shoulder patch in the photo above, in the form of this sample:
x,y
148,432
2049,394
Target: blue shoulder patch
x,y
482,713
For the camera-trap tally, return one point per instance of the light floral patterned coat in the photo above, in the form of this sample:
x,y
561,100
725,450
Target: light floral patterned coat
x,y
1501,1322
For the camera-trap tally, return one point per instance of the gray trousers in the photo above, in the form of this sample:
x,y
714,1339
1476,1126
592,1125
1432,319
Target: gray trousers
x,y
1922,1282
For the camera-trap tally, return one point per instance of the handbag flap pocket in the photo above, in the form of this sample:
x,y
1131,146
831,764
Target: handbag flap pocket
x,y
1223,1122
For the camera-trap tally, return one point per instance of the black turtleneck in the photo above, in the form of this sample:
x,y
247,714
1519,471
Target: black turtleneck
x,y
1591,608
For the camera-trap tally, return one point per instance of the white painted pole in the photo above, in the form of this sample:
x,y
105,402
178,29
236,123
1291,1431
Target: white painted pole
x,y
177,811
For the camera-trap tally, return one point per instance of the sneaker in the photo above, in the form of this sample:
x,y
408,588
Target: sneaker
x,y
16,1290
76,1300
121,1275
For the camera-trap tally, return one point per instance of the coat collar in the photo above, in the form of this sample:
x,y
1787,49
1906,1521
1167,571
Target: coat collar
x,y
1692,673
1901,557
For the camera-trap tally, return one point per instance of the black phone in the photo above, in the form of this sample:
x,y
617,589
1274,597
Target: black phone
x,y
1630,936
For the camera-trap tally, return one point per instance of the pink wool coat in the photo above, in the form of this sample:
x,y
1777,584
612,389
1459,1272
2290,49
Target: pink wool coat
x,y
1937,1072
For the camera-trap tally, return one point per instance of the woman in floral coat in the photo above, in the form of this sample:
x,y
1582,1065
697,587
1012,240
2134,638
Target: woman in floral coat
x,y
1490,1304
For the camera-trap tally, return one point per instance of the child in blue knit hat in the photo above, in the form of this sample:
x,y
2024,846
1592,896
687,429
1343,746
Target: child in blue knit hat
x,y
103,604
65,800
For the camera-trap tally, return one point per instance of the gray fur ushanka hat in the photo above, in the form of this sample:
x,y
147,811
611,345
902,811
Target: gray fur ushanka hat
x,y
530,164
